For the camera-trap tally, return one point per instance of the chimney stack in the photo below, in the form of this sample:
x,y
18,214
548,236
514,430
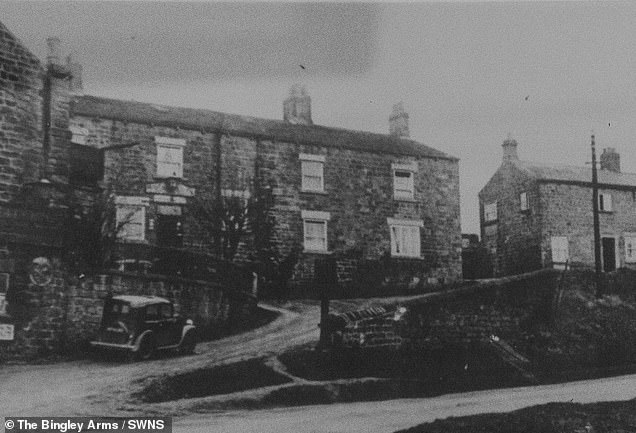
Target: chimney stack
x,y
54,53
611,160
76,85
297,106
509,149
399,121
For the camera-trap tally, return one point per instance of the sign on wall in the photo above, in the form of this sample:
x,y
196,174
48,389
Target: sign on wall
x,y
3,304
6,331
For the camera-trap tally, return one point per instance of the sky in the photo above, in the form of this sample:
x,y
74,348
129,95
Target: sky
x,y
469,74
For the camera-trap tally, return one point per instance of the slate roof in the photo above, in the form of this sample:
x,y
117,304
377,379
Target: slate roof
x,y
208,120
568,173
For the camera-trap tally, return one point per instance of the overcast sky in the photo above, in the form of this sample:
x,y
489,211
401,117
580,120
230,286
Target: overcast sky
x,y
469,74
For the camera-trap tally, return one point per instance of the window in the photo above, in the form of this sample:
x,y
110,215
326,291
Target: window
x,y
169,156
315,230
165,311
560,251
604,202
403,185
312,167
405,237
523,201
630,247
78,135
152,313
490,212
131,218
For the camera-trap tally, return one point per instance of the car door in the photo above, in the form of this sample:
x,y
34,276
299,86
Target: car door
x,y
152,322
168,333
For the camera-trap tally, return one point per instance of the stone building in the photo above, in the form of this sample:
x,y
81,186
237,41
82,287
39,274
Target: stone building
x,y
377,209
358,198
540,215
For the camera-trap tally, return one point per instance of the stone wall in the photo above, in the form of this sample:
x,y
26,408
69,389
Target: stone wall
x,y
509,308
62,315
20,115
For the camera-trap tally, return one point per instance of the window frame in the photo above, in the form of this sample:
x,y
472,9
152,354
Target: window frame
x,y
409,192
307,160
413,251
490,212
630,258
169,144
127,202
603,202
524,203
316,217
555,247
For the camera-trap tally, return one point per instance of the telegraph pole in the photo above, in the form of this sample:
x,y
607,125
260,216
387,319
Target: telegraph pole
x,y
597,229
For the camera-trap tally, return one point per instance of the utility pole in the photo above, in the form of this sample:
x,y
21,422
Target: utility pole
x,y
597,229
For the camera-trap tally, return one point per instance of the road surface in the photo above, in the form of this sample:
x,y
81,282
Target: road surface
x,y
391,415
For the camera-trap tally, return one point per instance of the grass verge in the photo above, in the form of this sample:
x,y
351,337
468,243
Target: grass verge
x,y
548,418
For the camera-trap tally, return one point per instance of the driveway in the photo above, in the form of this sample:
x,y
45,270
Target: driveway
x,y
391,415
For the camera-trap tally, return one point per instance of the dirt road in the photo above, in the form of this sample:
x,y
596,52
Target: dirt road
x,y
102,387
389,416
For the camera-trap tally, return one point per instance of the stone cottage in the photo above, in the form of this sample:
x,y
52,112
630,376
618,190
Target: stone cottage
x,y
540,215
358,198
379,209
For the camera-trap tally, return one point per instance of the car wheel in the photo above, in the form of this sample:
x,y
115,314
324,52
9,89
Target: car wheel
x,y
188,344
147,348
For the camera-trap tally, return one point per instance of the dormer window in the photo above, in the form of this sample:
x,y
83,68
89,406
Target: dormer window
x,y
312,168
170,156
403,181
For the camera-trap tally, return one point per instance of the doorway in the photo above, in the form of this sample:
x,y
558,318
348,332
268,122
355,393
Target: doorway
x,y
609,254
169,231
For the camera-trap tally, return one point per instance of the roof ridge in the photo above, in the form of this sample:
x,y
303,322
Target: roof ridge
x,y
202,117
562,165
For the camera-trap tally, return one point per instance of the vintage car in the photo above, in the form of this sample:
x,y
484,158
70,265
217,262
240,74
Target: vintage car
x,y
142,325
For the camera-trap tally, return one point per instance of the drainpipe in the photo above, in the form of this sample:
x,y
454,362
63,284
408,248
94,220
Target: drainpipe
x,y
46,125
597,230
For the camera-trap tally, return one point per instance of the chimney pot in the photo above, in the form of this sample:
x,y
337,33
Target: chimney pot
x,y
399,121
611,160
54,53
76,84
510,149
297,106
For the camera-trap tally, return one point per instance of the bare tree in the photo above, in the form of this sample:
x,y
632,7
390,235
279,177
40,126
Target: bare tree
x,y
91,231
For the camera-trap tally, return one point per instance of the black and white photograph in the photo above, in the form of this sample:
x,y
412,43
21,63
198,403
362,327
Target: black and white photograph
x,y
320,217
